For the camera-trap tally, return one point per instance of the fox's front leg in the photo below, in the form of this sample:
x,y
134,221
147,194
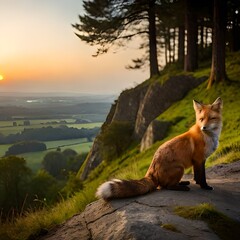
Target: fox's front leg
x,y
200,175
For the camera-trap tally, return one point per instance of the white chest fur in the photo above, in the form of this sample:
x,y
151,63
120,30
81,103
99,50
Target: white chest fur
x,y
211,144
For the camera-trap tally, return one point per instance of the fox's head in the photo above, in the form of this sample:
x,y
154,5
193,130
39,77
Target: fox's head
x,y
209,116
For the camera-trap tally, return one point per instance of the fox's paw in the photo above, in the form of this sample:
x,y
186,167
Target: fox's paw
x,y
184,183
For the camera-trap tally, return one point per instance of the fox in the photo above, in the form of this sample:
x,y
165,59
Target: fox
x,y
190,149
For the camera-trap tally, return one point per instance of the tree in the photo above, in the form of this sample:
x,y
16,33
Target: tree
x,y
13,171
218,69
44,187
233,25
69,153
55,163
191,61
25,146
74,163
115,22
114,139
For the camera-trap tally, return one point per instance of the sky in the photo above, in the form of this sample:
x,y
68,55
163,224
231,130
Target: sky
x,y
39,52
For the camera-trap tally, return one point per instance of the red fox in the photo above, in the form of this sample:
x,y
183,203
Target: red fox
x,y
171,158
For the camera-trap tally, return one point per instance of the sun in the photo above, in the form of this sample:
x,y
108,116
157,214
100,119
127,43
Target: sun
x,y
1,77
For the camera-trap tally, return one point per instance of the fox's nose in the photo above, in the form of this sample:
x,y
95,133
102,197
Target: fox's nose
x,y
203,128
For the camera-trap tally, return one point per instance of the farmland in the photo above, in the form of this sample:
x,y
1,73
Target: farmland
x,y
21,113
34,159
6,127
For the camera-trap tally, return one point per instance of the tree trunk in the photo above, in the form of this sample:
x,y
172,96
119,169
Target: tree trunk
x,y
166,46
181,34
169,46
218,70
201,37
152,40
191,60
206,37
174,45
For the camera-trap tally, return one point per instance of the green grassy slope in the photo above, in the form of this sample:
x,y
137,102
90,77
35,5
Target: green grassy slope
x,y
134,164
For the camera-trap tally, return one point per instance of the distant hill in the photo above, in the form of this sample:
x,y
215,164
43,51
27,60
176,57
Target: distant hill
x,y
34,105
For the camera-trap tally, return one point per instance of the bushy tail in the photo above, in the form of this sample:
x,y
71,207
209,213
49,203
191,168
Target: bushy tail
x,y
125,188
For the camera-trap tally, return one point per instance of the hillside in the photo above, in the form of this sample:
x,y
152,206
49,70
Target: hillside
x,y
133,163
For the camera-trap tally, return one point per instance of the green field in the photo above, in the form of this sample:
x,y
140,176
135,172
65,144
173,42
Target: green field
x,y
34,159
6,127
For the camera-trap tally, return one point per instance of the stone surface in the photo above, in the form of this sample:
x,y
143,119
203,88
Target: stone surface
x,y
125,109
142,217
159,98
156,131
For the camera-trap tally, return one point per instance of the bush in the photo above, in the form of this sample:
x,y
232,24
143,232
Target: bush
x,y
55,163
44,188
73,185
114,139
26,146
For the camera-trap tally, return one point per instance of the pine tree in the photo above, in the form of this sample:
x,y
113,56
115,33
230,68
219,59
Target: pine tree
x,y
116,22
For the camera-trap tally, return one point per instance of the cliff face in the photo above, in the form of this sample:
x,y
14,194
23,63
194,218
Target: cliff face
x,y
156,130
140,106
160,97
125,109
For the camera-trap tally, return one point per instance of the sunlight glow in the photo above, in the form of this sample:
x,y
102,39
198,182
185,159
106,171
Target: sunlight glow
x,y
1,77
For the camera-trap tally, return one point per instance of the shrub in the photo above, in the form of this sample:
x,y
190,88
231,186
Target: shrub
x,y
55,163
114,139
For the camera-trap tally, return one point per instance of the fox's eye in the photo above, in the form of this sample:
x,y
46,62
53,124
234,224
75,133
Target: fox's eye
x,y
212,118
201,119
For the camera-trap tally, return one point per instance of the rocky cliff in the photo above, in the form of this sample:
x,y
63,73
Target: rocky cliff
x,y
144,217
139,106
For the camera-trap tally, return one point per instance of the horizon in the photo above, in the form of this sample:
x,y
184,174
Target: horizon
x,y
41,54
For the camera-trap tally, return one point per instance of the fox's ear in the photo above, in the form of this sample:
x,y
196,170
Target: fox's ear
x,y
217,105
197,106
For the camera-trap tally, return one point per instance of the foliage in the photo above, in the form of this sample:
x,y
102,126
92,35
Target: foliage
x,y
114,139
75,163
26,146
13,172
55,163
49,134
69,153
222,225
73,185
107,23
43,188
31,224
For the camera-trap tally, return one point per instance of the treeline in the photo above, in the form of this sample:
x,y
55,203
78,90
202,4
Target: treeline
x,y
180,31
25,146
21,189
50,134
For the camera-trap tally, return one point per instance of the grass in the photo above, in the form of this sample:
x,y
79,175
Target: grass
x,y
34,159
225,227
34,222
134,164
6,127
170,227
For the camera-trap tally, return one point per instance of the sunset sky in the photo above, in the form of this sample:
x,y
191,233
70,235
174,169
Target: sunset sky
x,y
40,53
